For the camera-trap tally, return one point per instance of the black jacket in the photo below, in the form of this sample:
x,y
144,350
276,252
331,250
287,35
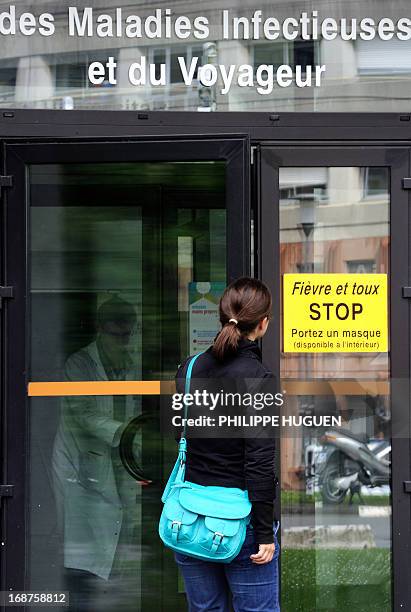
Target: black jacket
x,y
244,462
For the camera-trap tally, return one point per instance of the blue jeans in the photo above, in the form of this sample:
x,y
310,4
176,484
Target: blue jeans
x,y
254,588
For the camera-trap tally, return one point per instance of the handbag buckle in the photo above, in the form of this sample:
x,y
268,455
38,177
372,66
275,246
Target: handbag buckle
x,y
175,528
216,543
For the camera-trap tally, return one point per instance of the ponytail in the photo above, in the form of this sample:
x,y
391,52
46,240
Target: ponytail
x,y
227,341
244,303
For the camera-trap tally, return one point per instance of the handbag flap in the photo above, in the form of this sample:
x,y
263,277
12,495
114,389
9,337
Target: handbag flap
x,y
174,511
216,502
227,527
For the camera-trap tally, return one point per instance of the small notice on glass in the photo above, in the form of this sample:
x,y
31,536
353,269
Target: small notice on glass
x,y
335,313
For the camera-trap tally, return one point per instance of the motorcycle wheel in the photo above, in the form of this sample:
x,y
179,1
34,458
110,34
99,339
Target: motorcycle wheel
x,y
331,493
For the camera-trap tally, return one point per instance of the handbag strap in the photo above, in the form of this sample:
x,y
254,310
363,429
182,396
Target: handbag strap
x,y
182,446
187,388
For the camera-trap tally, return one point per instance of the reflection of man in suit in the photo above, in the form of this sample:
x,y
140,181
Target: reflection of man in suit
x,y
96,498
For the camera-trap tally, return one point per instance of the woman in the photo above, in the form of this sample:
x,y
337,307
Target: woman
x,y
247,463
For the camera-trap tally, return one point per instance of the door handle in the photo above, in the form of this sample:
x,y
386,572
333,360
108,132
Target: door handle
x,y
6,491
126,448
5,292
407,486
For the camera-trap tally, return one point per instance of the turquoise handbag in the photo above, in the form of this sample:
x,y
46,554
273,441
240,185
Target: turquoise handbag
x,y
205,522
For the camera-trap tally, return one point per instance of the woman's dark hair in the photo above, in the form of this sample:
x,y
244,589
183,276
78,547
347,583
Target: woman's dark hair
x,y
248,301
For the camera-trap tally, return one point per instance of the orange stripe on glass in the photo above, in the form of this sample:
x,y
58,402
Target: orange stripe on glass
x,y
336,387
167,387
101,387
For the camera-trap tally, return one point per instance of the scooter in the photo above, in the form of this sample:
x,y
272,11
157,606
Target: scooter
x,y
351,461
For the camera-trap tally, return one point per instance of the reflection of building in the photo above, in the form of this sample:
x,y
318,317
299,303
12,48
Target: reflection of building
x,y
51,72
350,233
333,220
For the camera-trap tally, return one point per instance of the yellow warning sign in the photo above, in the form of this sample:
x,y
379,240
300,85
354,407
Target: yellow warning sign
x,y
335,313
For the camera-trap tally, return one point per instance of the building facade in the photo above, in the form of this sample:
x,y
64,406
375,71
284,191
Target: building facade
x,y
123,223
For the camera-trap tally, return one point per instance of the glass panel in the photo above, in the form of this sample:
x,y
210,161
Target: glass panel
x,y
371,75
117,252
335,525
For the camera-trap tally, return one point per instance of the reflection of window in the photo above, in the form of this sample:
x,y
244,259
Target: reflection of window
x,y
175,71
304,192
375,182
159,57
8,76
71,69
169,56
71,75
303,53
383,56
361,266
302,184
273,53
298,52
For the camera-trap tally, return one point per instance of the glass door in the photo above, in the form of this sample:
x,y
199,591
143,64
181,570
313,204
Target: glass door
x,y
112,250
344,510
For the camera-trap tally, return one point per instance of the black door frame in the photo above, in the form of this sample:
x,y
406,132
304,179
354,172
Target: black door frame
x,y
15,333
31,124
397,159
360,131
